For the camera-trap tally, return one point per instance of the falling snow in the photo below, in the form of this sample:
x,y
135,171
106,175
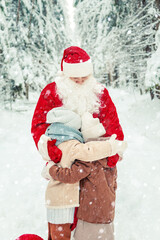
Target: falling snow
x,y
22,188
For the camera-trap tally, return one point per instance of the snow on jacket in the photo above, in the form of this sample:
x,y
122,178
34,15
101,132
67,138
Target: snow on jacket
x,y
97,188
50,99
61,195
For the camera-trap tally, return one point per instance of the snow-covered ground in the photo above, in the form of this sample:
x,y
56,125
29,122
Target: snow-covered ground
x,y
22,188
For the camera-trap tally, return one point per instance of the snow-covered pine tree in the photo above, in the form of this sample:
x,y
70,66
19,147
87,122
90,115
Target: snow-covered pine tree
x,y
135,31
120,35
32,40
8,52
94,21
152,79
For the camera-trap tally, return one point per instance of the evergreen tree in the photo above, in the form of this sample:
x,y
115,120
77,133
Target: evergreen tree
x,y
120,36
133,42
32,40
152,79
95,20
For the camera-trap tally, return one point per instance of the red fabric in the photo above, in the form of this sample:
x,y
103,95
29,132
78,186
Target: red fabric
x,y
109,118
29,237
74,224
47,100
112,161
74,55
54,153
59,231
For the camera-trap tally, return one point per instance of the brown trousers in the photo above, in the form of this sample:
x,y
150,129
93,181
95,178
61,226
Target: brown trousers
x,y
59,231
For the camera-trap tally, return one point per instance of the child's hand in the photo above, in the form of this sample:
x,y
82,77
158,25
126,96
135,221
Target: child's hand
x,y
117,146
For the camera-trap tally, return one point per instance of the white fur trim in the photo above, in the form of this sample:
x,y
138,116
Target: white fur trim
x,y
45,171
42,147
82,69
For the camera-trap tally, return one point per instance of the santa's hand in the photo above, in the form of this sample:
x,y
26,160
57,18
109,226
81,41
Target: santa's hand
x,y
117,146
45,172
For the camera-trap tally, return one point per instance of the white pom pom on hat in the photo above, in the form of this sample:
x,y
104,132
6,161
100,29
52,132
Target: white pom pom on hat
x,y
76,62
91,127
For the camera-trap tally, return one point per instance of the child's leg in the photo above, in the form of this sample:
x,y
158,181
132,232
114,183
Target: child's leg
x,y
59,231
93,231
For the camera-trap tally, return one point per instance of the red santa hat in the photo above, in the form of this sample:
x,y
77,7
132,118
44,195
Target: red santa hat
x,y
76,62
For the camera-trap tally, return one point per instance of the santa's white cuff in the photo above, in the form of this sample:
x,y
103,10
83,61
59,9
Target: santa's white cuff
x,y
45,171
42,147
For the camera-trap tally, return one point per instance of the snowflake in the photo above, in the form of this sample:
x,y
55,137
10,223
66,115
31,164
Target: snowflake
x,y
48,202
113,204
60,228
101,230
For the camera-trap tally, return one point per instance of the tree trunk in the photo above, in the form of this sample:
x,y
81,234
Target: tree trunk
x,y
152,93
30,19
26,90
157,2
18,10
157,91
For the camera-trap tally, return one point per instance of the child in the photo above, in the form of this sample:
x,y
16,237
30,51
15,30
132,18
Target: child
x,y
97,197
61,198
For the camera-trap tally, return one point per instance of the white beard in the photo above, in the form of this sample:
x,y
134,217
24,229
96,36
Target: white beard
x,y
79,98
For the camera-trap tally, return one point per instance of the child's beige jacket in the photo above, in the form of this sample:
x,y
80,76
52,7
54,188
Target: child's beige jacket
x,y
61,195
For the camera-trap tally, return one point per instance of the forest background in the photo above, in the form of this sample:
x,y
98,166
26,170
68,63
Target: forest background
x,y
121,36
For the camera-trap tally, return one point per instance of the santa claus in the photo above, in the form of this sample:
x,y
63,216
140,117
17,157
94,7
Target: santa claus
x,y
76,89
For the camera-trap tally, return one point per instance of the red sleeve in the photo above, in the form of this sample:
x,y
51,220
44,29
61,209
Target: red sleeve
x,y
48,99
109,118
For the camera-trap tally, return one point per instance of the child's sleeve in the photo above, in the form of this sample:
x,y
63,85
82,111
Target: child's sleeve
x,y
78,171
92,151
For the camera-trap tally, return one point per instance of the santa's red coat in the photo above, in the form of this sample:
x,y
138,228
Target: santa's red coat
x,y
50,99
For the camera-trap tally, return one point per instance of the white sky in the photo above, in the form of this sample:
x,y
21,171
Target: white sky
x,y
70,9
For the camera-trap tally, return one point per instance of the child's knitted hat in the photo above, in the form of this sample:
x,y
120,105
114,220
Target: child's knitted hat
x,y
65,116
65,125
